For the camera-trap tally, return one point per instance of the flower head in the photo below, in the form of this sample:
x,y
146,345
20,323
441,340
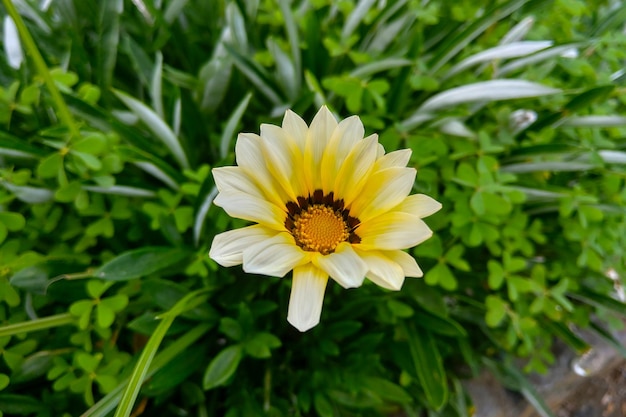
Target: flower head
x,y
326,202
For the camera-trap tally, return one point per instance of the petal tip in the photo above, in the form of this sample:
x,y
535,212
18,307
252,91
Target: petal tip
x,y
302,325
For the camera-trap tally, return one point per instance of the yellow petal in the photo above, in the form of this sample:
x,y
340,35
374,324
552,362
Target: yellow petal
x,y
296,128
247,207
227,248
384,190
344,266
284,160
382,270
235,179
391,231
274,257
250,158
406,261
419,205
355,170
307,297
318,136
345,136
399,158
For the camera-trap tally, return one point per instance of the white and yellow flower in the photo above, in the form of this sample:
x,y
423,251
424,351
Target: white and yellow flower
x,y
327,203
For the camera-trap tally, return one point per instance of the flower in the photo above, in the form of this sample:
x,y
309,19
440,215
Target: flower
x,y
327,203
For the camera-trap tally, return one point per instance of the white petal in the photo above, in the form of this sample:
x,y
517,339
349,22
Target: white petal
x,y
274,257
296,128
406,261
247,207
235,179
355,171
344,266
419,205
384,190
284,160
399,158
307,297
391,231
317,139
227,247
382,271
250,157
344,138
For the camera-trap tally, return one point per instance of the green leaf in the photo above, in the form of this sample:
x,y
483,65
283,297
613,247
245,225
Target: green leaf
x,y
496,274
12,221
4,232
20,405
400,309
4,381
231,328
142,367
68,192
231,125
32,367
33,279
87,362
140,262
565,334
387,390
116,303
323,407
156,125
222,367
89,160
440,325
428,366
50,166
442,275
93,144
104,407
261,344
104,316
496,310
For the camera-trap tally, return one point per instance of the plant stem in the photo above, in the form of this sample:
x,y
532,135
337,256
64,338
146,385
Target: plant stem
x,y
39,324
31,48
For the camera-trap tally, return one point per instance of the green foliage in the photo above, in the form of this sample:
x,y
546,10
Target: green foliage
x,y
112,116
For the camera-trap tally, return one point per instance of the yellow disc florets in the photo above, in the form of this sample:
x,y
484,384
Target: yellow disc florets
x,y
320,229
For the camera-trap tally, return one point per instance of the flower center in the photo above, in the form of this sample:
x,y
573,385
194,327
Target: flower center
x,y
320,229
319,223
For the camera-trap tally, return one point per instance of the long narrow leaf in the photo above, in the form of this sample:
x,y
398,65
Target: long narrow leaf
x,y
143,364
366,70
231,125
156,85
493,90
428,366
357,15
456,43
294,41
256,74
103,407
518,32
156,125
511,50
202,213
535,58
595,121
12,44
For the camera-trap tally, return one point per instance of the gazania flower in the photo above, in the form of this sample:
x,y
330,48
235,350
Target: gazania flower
x,y
326,202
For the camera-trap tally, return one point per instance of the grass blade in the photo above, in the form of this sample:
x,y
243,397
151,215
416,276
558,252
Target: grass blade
x,y
156,125
143,364
38,324
493,90
103,407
